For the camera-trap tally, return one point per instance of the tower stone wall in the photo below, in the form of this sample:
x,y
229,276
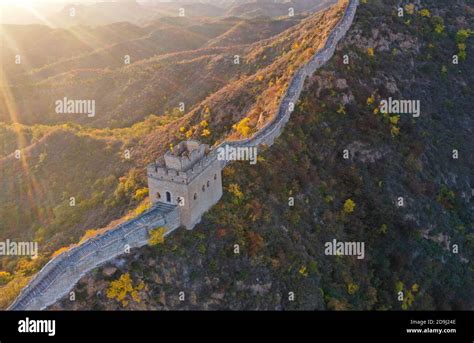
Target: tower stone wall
x,y
189,177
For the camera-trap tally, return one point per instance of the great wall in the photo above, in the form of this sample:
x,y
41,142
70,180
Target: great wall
x,y
61,273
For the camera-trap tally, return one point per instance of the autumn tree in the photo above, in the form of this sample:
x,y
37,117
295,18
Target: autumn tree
x,y
140,193
234,189
242,127
256,242
123,290
349,206
4,277
157,236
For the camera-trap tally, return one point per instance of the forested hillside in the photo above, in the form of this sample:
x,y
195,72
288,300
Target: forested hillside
x,y
423,247
67,177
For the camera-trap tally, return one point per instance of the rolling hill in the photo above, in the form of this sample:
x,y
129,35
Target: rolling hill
x,y
160,78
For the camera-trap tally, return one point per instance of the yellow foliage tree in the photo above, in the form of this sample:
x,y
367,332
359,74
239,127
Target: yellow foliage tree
x,y
242,127
394,119
144,205
157,236
349,206
410,8
121,288
205,133
341,109
189,133
140,193
352,288
370,52
303,271
408,300
25,266
370,100
11,290
207,112
235,190
425,13
395,131
4,277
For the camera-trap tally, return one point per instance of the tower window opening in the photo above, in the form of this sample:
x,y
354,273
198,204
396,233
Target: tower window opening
x,y
168,197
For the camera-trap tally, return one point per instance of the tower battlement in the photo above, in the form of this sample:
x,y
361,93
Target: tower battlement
x,y
187,176
187,160
185,155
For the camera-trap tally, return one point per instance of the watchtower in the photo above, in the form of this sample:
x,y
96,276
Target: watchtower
x,y
187,176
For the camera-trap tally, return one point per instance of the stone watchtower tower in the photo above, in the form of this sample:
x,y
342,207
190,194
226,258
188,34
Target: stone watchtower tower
x,y
189,177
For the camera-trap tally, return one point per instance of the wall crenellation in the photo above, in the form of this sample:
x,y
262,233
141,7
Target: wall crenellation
x,y
188,178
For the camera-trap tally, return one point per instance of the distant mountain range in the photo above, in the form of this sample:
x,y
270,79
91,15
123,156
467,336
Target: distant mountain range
x,y
102,13
172,60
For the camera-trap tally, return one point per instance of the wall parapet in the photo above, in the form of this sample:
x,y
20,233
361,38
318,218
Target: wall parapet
x,y
57,277
270,131
185,177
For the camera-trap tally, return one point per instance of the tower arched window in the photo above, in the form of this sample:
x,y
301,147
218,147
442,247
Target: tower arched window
x,y
208,183
168,197
195,196
215,176
203,188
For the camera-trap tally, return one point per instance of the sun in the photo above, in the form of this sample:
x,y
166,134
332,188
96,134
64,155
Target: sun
x,y
19,2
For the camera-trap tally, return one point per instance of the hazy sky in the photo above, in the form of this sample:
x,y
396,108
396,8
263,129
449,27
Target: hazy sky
x,y
32,2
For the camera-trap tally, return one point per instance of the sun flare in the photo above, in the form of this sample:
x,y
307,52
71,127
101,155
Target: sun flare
x,y
17,2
